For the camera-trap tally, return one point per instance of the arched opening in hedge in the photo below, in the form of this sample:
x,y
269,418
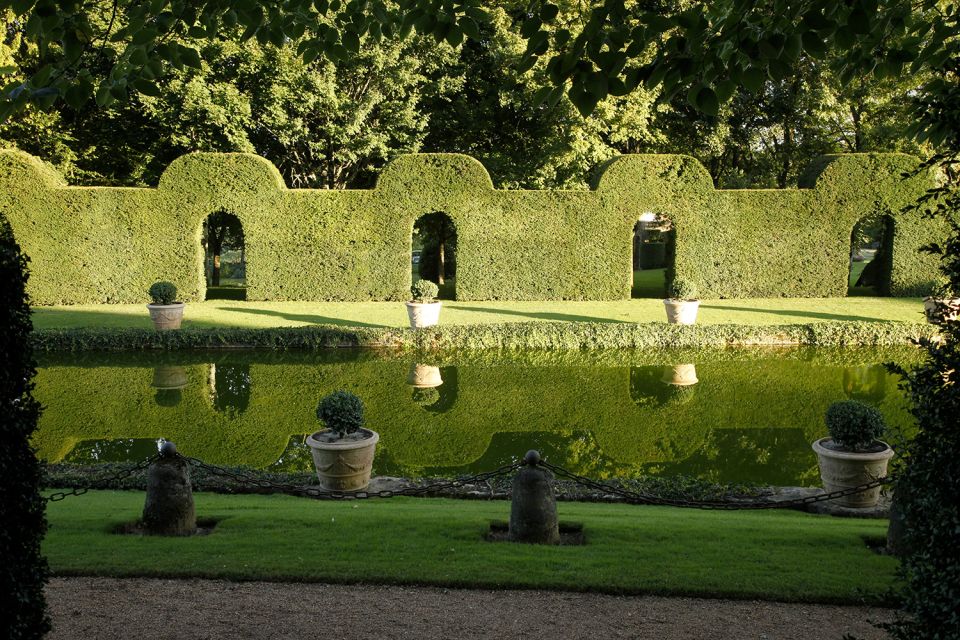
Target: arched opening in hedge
x,y
871,256
229,386
434,252
653,255
225,257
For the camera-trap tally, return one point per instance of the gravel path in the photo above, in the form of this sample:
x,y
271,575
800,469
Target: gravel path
x,y
96,608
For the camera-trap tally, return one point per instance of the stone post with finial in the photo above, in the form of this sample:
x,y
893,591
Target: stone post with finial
x,y
533,508
168,510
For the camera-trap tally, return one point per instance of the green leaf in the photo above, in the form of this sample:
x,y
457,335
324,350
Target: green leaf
x,y
597,84
706,101
8,70
541,95
78,94
814,45
190,57
753,79
725,89
584,101
549,12
470,28
146,87
351,41
530,26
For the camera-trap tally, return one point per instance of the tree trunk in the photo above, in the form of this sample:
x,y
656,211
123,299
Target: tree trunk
x,y
441,262
215,276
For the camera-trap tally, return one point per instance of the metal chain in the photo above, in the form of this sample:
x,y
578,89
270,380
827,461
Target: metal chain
x,y
635,497
250,479
631,497
119,475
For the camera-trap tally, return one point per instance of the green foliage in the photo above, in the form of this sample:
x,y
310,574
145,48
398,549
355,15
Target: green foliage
x,y
341,412
424,291
522,335
682,289
354,245
163,292
23,571
854,425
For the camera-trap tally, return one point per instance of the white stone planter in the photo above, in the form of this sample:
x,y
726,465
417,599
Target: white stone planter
x,y
344,465
423,314
940,310
681,311
166,316
847,469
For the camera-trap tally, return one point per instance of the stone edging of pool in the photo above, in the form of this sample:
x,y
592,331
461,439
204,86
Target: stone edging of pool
x,y
519,335
66,476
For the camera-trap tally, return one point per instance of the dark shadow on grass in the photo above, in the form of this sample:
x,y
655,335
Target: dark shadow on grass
x,y
311,319
802,314
540,315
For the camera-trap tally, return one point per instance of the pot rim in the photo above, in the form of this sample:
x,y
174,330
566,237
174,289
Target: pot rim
x,y
175,305
820,450
680,301
372,439
411,303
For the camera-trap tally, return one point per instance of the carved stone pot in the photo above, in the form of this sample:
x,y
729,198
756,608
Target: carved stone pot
x,y
847,469
423,314
343,465
681,311
166,316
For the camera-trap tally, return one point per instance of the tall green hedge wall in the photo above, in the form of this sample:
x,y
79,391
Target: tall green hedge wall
x,y
108,244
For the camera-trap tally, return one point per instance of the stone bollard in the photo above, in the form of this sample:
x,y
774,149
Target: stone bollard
x,y
168,510
533,509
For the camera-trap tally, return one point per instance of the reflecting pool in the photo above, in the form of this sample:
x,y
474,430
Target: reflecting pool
x,y
733,415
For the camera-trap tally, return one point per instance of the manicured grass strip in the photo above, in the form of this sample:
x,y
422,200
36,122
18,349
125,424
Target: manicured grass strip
x,y
258,315
774,555
517,335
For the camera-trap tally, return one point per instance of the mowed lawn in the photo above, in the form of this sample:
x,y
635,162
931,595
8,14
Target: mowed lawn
x,y
254,314
771,555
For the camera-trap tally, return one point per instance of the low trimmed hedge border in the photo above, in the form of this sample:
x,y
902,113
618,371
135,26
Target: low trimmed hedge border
x,y
519,335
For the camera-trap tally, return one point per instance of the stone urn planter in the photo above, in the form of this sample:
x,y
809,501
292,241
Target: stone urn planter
x,y
343,452
424,376
941,310
680,375
423,310
165,311
343,464
682,305
853,455
846,469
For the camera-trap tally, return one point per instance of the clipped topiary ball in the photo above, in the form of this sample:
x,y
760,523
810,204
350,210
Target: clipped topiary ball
x,y
163,292
424,291
425,397
854,425
681,289
342,412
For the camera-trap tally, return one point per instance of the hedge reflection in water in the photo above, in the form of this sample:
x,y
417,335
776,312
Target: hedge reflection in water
x,y
729,416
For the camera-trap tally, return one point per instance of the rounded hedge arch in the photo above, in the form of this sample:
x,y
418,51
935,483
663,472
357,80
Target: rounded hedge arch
x,y
111,243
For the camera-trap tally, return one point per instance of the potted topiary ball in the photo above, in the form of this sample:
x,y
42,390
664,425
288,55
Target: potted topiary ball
x,y
165,311
424,308
683,303
343,452
853,454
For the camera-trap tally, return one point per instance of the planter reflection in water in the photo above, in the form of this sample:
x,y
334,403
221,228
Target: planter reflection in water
x,y
168,381
680,374
424,376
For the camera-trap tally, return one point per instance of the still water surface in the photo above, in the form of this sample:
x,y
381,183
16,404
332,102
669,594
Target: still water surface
x,y
735,415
